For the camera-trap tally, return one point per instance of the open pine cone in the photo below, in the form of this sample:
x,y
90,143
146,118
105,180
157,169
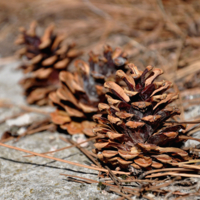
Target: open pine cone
x,y
46,57
132,130
80,92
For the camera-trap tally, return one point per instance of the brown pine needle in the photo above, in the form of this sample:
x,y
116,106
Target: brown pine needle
x,y
188,138
36,130
5,104
78,181
183,122
7,139
152,188
94,181
173,174
191,161
182,164
12,117
120,193
68,147
187,195
115,179
136,180
84,151
61,160
122,198
87,179
162,170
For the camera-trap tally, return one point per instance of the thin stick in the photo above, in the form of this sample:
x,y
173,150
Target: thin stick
x,y
68,147
61,160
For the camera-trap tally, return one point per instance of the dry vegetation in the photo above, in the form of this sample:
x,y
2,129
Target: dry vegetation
x,y
164,34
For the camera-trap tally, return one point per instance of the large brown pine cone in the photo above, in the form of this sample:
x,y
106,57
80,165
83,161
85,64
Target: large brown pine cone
x,y
132,129
45,58
80,92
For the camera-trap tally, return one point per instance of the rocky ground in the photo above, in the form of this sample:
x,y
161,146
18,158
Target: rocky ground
x,y
36,177
39,178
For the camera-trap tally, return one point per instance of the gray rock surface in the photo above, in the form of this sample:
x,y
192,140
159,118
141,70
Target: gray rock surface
x,y
35,177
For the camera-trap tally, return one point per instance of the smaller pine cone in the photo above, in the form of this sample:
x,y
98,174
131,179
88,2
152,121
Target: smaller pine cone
x,y
132,133
45,57
80,92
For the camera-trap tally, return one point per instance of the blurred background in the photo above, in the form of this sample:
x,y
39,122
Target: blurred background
x,y
161,33
136,25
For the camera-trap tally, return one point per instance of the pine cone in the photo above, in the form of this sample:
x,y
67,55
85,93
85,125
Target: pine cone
x,y
46,57
80,92
132,130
